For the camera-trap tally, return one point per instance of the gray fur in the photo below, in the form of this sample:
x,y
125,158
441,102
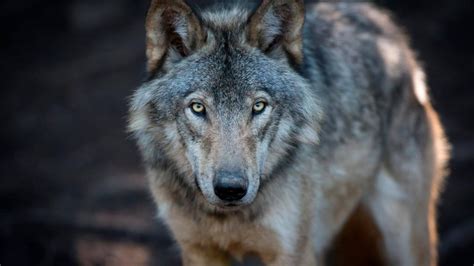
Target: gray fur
x,y
344,124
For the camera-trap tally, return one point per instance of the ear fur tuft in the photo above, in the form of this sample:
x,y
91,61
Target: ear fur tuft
x,y
173,30
278,23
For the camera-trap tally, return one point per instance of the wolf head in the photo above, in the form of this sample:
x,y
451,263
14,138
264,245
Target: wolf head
x,y
225,107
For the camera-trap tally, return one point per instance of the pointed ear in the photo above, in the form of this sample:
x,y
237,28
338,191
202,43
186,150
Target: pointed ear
x,y
173,32
278,23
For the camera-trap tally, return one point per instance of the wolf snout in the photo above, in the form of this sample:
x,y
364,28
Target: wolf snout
x,y
230,186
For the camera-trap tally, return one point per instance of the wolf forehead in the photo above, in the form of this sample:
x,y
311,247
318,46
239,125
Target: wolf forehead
x,y
223,72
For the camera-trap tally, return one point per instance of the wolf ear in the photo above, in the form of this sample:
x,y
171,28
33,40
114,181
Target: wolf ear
x,y
173,32
278,23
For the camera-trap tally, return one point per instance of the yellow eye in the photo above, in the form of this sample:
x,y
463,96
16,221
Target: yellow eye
x,y
198,108
259,107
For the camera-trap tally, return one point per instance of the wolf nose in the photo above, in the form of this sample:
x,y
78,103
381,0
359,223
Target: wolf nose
x,y
229,186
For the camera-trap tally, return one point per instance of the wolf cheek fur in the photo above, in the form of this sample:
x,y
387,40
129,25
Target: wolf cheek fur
x,y
263,136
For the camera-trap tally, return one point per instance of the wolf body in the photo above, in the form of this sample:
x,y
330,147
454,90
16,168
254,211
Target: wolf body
x,y
263,134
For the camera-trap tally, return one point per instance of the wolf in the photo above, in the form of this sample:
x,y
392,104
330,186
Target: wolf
x,y
265,128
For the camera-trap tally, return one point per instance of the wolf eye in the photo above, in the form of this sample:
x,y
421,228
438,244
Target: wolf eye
x,y
198,108
259,107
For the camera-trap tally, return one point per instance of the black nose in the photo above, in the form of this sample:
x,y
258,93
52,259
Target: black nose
x,y
230,186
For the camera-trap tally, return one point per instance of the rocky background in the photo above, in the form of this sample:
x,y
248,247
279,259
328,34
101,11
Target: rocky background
x,y
72,190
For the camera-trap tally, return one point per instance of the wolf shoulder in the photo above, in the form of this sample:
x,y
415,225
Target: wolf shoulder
x,y
358,42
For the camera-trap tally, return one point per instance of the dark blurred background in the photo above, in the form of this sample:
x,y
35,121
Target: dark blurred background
x,y
72,190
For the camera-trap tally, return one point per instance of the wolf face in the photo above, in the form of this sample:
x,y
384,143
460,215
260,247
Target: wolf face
x,y
225,106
